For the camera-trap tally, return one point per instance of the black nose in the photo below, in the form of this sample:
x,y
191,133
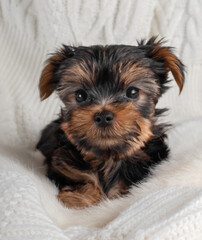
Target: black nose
x,y
104,118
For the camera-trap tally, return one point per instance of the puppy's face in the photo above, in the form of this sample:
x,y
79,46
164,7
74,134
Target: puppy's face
x,y
110,93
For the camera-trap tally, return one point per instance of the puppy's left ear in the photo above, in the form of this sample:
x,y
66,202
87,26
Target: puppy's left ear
x,y
164,55
49,76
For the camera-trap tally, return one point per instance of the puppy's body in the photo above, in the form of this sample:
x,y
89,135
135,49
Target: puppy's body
x,y
106,175
106,138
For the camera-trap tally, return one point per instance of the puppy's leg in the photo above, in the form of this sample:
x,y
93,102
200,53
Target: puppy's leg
x,y
82,187
81,196
66,167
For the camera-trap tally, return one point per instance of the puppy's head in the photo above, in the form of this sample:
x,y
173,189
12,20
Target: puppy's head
x,y
110,93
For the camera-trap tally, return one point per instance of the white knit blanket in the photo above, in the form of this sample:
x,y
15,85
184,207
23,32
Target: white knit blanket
x,y
168,205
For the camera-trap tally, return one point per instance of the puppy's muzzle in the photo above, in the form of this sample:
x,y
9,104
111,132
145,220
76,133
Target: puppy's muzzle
x,y
104,119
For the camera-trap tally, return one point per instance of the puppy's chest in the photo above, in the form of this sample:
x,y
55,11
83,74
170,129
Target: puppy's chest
x,y
110,177
106,173
114,176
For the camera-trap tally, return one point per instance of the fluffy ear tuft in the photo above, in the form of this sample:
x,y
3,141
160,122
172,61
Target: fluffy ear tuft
x,y
165,55
48,79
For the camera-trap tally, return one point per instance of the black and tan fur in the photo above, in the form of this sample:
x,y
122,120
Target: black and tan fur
x,y
89,163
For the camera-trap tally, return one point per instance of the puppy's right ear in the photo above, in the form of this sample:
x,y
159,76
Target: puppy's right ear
x,y
49,77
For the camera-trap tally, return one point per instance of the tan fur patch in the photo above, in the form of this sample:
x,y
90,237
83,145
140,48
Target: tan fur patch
x,y
79,72
171,63
46,76
75,174
81,197
132,72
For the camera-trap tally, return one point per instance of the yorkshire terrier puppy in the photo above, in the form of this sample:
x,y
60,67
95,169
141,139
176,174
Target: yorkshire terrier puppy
x,y
107,138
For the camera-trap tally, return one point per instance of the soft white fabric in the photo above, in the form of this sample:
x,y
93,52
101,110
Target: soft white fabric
x,y
168,204
167,214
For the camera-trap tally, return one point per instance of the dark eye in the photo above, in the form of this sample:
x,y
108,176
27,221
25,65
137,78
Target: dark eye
x,y
81,95
132,93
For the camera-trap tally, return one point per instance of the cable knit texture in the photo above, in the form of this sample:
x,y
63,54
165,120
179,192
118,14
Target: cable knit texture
x,y
168,205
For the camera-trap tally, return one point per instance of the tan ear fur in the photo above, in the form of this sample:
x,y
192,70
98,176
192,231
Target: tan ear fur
x,y
49,80
47,85
171,62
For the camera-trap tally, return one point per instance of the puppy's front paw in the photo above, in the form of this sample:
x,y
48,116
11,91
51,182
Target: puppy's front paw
x,y
81,197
